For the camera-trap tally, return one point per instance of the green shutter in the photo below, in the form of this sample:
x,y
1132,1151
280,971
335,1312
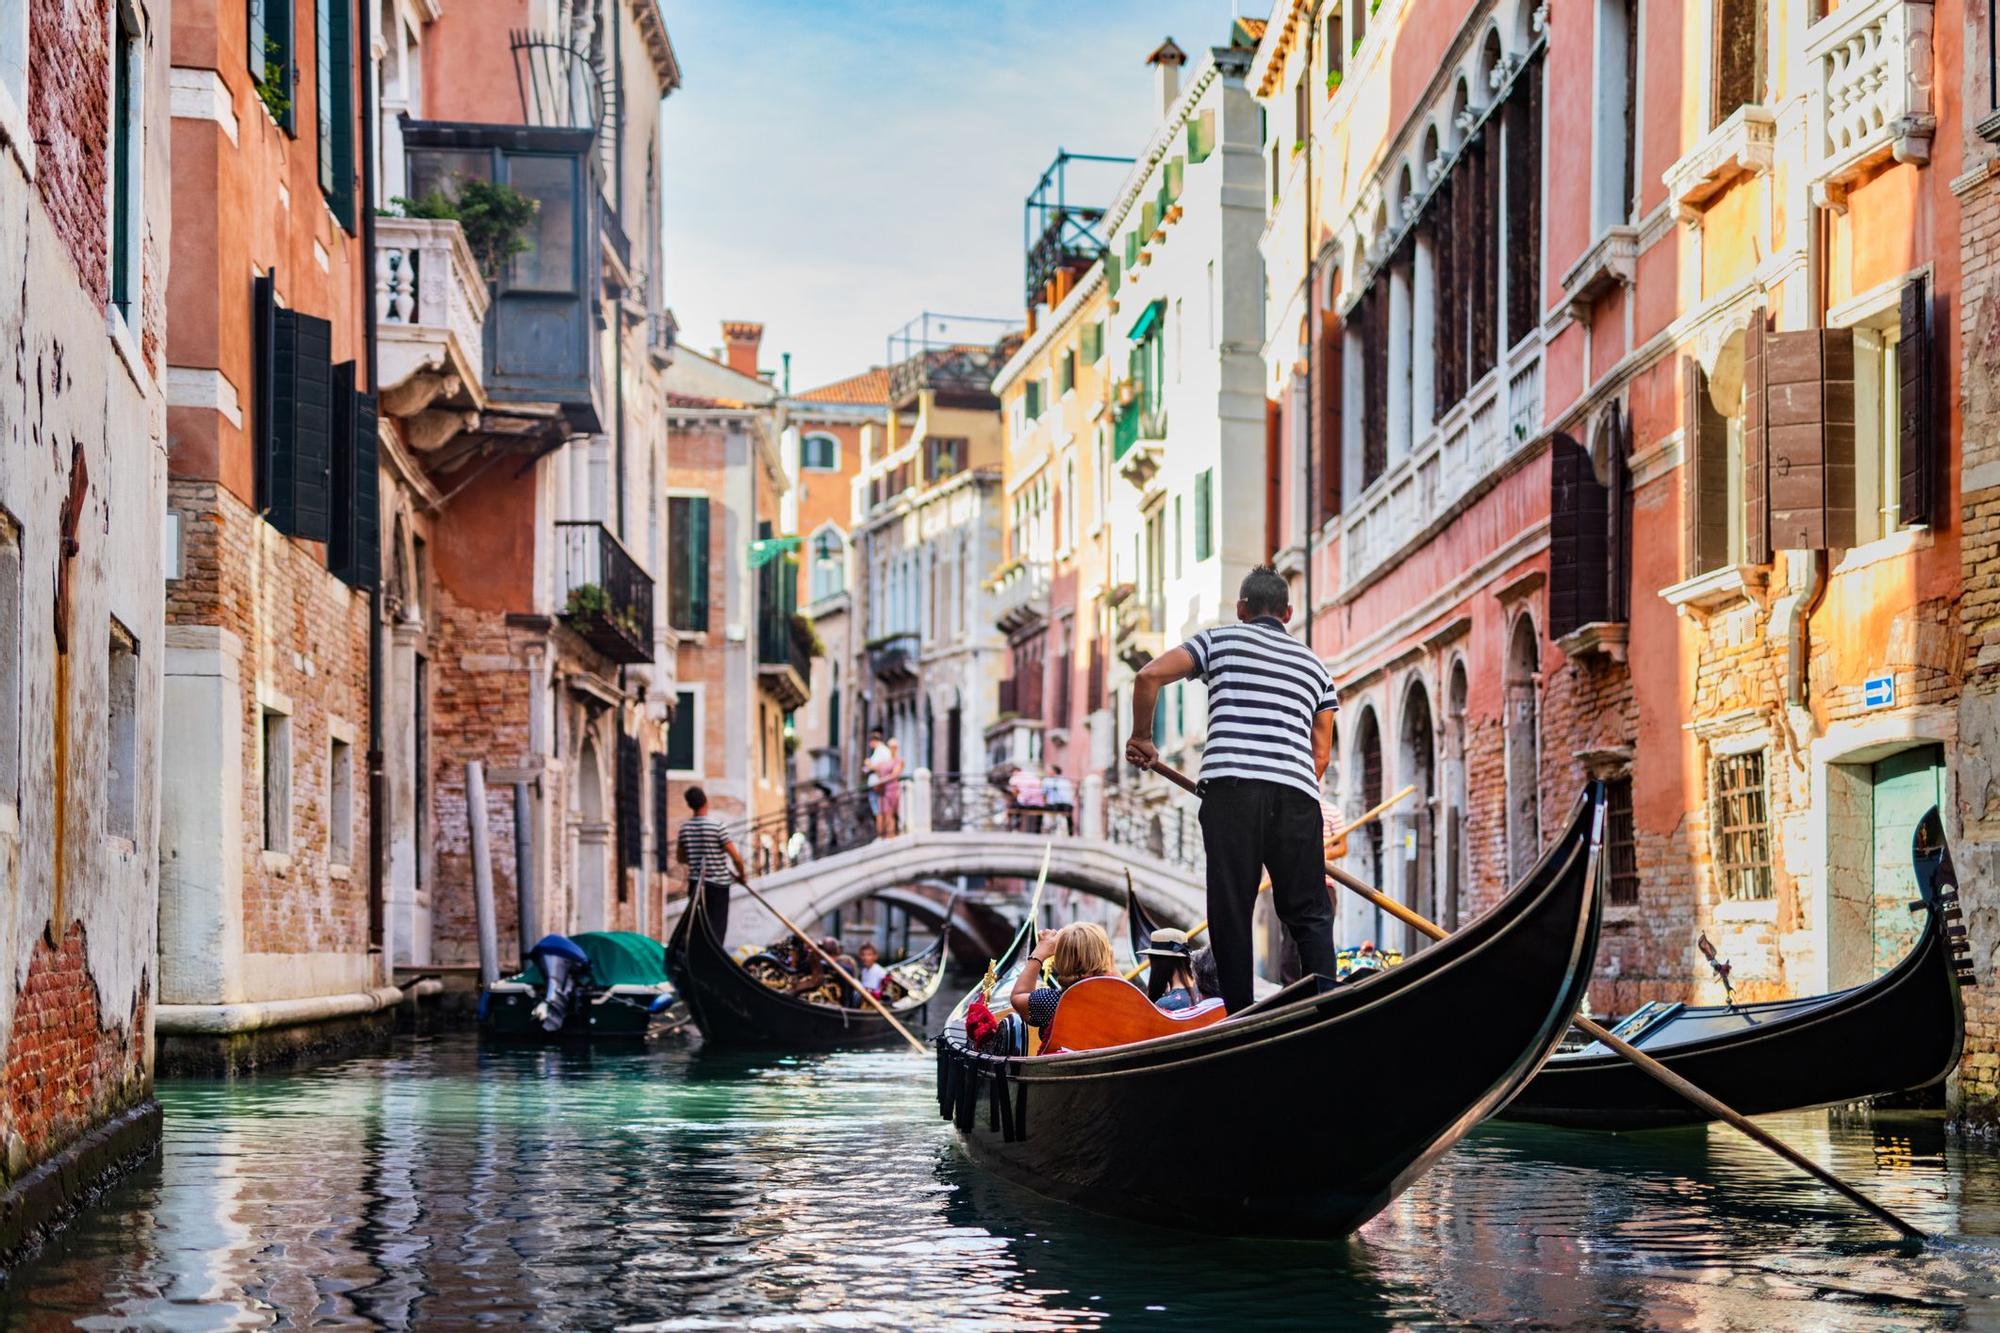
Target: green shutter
x,y
1201,137
687,562
1034,400
1093,342
1132,242
1204,514
1111,272
1066,372
1176,171
1149,220
336,108
698,561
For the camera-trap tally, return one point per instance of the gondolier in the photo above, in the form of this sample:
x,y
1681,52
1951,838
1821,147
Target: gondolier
x,y
707,850
1270,732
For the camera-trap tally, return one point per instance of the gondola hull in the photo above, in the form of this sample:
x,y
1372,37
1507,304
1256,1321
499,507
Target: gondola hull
x,y
734,1009
1267,1124
1901,1032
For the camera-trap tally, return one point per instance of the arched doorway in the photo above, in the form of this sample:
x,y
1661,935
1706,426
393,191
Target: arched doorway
x,y
1523,724
1453,818
1416,756
593,837
1367,844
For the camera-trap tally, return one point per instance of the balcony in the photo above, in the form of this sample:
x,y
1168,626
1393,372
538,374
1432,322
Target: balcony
x,y
1138,442
1452,462
1872,68
893,657
432,302
1020,595
1137,627
1742,145
606,598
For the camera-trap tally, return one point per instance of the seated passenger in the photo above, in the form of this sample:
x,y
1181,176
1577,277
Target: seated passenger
x,y
1205,978
1170,982
1080,949
870,972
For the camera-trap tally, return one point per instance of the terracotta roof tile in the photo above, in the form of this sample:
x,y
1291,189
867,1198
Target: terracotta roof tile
x,y
1253,28
870,387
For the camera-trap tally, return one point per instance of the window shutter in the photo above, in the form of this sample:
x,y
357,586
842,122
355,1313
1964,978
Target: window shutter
x,y
263,335
629,827
1705,474
1916,443
1756,443
1111,272
1204,514
1522,122
299,426
351,548
1201,136
1093,342
1332,351
663,860
1034,399
698,561
337,174
1149,220
1618,600
1176,170
1485,274
1809,417
1375,380
1579,530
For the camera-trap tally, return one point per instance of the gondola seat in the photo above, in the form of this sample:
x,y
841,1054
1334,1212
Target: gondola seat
x,y
1110,1011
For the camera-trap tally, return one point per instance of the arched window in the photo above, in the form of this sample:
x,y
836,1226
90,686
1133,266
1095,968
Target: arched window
x,y
1523,727
829,564
819,453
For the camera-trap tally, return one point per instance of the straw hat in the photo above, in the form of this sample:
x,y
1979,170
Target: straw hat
x,y
1167,944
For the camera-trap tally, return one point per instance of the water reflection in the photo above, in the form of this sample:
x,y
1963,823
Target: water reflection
x,y
663,1187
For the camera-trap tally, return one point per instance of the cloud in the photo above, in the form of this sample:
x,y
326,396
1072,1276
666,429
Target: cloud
x,y
834,168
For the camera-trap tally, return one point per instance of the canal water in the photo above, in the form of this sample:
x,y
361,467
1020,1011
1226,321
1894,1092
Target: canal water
x,y
444,1185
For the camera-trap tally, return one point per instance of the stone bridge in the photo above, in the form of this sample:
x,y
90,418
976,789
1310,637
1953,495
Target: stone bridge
x,y
809,890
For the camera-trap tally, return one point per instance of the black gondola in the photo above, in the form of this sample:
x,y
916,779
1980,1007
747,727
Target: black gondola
x,y
1900,1032
734,1008
1252,1126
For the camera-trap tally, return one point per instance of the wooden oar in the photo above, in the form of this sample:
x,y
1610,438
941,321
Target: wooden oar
x,y
833,963
1639,1059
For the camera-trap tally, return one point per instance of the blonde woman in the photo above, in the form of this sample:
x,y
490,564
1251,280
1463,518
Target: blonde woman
x,y
1078,950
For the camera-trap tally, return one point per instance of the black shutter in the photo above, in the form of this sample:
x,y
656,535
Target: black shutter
x,y
366,513
300,443
1916,444
1579,551
662,852
263,335
628,806
352,550
1618,599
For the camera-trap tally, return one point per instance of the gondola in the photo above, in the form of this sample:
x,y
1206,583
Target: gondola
x,y
733,1008
598,986
1252,1126
1900,1032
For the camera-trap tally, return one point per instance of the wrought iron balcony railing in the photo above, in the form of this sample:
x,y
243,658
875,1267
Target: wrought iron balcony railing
x,y
605,597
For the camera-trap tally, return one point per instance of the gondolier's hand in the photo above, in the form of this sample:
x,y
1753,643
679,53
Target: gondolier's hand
x,y
1141,753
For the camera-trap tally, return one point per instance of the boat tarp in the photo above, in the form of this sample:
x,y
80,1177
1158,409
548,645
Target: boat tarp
x,y
617,958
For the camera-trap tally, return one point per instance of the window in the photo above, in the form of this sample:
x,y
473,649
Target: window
x,y
1066,371
687,562
14,76
1737,63
1180,541
1357,22
1713,477
630,830
663,851
270,58
1877,438
819,453
943,457
1336,51
1070,504
1204,514
333,42
1093,342
829,564
121,758
127,143
1740,832
1620,845
11,648
684,733
549,264
1032,400
833,706
1615,128
340,802
276,735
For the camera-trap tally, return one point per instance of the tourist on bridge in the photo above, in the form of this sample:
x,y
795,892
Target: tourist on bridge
x,y
1059,798
1270,733
707,850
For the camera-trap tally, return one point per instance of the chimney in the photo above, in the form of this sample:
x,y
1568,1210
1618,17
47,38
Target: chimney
x,y
741,338
1166,62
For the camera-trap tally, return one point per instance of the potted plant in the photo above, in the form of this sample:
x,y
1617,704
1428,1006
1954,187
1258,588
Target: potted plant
x,y
587,599
494,217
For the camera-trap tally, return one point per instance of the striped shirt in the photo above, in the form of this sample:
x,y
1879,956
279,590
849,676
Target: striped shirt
x,y
1265,689
702,841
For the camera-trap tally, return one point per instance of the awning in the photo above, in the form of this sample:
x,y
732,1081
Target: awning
x,y
1147,319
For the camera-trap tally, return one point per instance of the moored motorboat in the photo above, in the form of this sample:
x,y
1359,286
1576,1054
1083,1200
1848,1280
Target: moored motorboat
x,y
1902,1031
598,985
1251,1126
734,1007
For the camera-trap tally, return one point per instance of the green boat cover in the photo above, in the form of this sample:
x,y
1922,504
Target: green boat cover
x,y
617,958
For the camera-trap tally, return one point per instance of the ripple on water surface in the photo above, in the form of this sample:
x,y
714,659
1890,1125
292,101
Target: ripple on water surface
x,y
667,1188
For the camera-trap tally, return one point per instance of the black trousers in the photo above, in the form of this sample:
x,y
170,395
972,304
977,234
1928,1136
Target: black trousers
x,y
1248,827
715,903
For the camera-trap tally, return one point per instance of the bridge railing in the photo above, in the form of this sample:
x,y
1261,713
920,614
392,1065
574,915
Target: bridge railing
x,y
1169,831
824,826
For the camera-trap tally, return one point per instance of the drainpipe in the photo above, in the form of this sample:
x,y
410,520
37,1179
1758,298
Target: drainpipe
x,y
618,313
377,778
1312,333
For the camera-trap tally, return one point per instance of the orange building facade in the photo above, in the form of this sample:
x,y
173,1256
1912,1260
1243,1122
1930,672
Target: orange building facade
x,y
1615,394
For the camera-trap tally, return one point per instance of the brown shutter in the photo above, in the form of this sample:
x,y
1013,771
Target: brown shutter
x,y
1809,412
1486,268
1705,474
1618,597
1579,528
1756,442
1331,346
1916,445
1444,231
1375,378
1522,118
1274,477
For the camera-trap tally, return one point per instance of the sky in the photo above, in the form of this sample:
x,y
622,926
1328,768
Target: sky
x,y
835,167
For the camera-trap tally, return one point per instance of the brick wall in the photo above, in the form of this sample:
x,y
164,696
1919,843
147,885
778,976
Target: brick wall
x,y
68,1066
305,645
69,117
